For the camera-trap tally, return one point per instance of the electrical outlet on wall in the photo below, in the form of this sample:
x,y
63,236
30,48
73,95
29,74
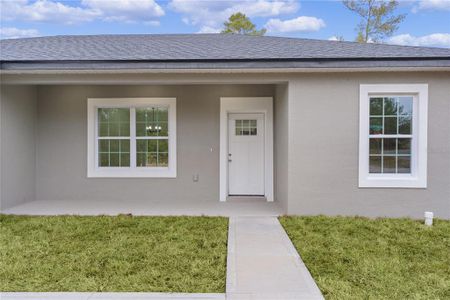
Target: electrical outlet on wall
x,y
195,177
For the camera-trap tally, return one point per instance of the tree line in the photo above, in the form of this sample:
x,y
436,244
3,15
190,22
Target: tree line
x,y
378,20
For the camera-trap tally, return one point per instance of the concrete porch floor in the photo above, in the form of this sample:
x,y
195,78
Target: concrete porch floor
x,y
236,206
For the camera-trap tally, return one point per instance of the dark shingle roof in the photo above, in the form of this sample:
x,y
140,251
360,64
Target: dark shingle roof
x,y
200,48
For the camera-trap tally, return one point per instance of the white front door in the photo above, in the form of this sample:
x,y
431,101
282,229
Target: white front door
x,y
246,154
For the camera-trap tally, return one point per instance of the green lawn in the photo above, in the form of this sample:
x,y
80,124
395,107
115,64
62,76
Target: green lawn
x,y
359,258
124,253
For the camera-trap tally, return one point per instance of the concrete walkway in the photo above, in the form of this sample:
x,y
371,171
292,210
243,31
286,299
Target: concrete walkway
x,y
262,262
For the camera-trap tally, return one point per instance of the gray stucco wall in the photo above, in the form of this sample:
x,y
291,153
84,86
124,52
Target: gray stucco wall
x,y
17,146
316,143
323,153
61,144
281,142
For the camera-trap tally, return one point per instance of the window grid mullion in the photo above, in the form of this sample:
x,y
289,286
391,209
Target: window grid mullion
x,y
113,138
382,119
387,136
396,155
382,153
151,137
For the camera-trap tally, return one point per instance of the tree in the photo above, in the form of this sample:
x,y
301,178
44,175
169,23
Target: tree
x,y
338,38
378,18
241,24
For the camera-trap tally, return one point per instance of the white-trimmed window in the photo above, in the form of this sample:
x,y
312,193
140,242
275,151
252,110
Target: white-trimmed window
x,y
393,135
132,137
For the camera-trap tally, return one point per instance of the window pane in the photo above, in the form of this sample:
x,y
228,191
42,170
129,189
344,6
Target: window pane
x,y
114,145
163,145
404,125
152,153
152,146
376,106
376,125
103,146
390,125
114,129
103,116
404,146
113,115
246,127
103,159
140,115
124,115
114,153
125,159
103,129
113,122
375,146
145,114
124,129
141,159
141,145
163,129
151,129
151,121
389,146
404,164
405,105
152,160
163,114
163,160
114,160
389,164
375,164
140,129
125,146
390,106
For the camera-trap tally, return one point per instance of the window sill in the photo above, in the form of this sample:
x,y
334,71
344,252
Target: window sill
x,y
127,173
392,182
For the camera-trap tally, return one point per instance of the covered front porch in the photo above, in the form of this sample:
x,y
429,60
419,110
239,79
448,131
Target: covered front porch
x,y
233,207
44,156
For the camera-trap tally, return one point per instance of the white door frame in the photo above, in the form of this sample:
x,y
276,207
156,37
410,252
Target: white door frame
x,y
247,105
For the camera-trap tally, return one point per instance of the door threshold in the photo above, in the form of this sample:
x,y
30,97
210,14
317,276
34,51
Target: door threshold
x,y
247,197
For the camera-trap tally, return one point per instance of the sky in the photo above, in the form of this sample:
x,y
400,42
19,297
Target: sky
x,y
427,22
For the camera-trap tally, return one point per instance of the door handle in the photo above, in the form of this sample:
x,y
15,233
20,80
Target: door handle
x,y
229,159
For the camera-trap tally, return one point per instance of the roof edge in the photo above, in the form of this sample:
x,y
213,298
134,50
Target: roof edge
x,y
306,59
227,71
220,66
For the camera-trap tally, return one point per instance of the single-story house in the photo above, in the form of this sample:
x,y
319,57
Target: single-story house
x,y
317,127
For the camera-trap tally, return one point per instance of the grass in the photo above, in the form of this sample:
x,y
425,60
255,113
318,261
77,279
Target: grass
x,y
359,258
123,253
